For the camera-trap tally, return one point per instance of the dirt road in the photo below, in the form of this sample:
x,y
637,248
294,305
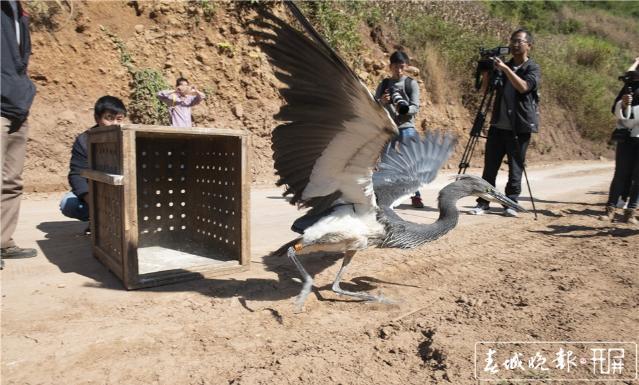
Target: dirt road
x,y
566,276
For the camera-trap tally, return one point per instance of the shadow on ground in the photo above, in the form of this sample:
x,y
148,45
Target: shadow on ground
x,y
588,231
66,246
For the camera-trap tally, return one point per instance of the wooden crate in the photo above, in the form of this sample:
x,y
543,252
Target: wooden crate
x,y
168,204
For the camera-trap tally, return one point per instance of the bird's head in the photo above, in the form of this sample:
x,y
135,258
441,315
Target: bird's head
x,y
472,185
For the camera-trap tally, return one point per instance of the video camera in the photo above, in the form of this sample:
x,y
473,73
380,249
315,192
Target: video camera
x,y
629,77
398,100
486,64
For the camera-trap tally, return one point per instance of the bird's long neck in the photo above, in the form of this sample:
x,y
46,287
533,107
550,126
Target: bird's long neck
x,y
405,234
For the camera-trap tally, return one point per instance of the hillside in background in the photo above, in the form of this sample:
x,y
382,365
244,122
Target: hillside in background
x,y
86,49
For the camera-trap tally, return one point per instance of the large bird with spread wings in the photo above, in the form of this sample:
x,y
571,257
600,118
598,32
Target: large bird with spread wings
x,y
333,138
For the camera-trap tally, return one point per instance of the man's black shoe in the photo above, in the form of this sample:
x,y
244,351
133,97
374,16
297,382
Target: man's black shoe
x,y
15,252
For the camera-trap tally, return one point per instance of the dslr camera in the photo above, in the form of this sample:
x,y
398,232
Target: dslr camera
x,y
398,100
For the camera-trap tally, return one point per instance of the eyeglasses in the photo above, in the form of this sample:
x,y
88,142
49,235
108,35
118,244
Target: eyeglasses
x,y
518,41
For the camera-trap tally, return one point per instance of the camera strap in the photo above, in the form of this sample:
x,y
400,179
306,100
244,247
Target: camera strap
x,y
408,85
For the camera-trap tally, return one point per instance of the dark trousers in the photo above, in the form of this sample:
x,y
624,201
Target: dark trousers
x,y
626,173
502,143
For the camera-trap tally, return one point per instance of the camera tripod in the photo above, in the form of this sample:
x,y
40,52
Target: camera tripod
x,y
495,81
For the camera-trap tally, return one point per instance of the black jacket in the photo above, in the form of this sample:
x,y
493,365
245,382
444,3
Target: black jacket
x,y
17,89
526,119
79,161
634,90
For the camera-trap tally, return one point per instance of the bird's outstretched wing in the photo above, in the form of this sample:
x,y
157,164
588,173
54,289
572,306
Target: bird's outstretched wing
x,y
335,129
406,168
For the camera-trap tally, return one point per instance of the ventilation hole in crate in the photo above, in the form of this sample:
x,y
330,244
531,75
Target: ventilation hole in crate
x,y
143,165
170,216
143,153
214,236
158,217
182,204
182,179
157,153
183,191
182,153
197,167
145,218
226,241
233,243
158,192
232,168
157,178
159,229
182,166
157,165
169,153
158,204
145,231
182,215
170,165
169,179
183,227
171,228
146,206
232,154
226,154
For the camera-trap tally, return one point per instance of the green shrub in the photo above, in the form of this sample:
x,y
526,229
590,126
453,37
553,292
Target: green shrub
x,y
145,107
336,23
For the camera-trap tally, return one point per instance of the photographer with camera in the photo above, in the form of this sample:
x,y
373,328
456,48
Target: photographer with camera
x,y
399,95
515,116
626,134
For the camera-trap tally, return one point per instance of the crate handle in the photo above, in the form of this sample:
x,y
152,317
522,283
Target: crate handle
x,y
103,177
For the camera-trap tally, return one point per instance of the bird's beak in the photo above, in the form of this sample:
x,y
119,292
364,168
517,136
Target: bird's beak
x,y
495,196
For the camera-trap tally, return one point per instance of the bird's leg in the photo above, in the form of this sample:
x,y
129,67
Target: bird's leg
x,y
348,256
308,280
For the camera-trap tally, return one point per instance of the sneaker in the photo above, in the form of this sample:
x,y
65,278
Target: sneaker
x,y
629,216
15,252
609,214
416,202
478,210
508,212
87,231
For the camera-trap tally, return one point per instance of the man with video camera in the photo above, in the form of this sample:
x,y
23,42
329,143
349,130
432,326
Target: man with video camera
x,y
399,95
515,116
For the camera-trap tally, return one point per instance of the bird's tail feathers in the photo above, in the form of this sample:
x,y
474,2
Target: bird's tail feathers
x,y
281,252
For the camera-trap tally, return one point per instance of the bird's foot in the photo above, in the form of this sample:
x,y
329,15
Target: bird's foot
x,y
301,297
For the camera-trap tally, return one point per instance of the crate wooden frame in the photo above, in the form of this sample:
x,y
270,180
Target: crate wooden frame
x,y
115,154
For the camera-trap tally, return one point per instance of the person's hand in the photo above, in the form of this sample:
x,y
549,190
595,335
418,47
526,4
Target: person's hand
x,y
626,100
386,98
499,64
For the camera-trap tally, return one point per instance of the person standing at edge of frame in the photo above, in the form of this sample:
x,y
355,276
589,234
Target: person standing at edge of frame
x,y
626,176
515,116
18,92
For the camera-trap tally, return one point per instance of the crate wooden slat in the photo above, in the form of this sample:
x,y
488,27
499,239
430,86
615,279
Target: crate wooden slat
x,y
168,204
